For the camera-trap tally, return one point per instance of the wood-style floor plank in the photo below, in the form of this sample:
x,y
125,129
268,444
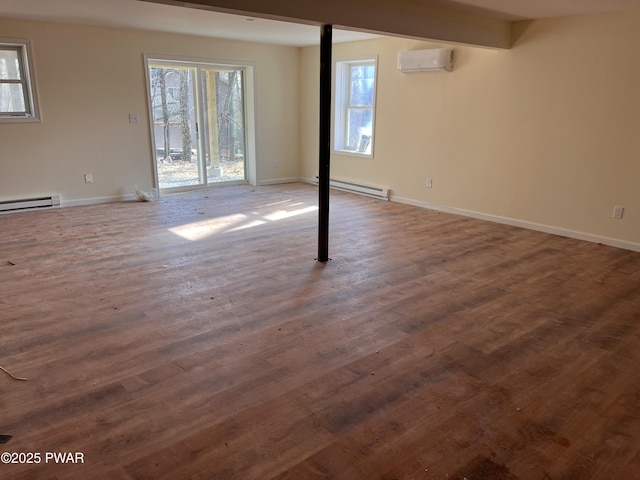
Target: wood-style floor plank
x,y
196,338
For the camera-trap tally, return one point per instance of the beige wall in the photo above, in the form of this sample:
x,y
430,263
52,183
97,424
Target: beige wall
x,y
90,78
546,133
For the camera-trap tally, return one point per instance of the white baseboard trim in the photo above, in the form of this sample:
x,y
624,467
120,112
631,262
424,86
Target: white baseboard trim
x,y
130,196
97,200
312,181
277,181
563,232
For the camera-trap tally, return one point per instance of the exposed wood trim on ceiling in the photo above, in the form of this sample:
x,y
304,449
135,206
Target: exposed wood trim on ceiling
x,y
429,19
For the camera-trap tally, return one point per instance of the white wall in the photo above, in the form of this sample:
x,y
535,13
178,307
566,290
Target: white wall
x,y
546,134
89,79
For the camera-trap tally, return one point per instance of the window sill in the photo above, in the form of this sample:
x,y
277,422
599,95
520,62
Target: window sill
x,y
351,153
20,120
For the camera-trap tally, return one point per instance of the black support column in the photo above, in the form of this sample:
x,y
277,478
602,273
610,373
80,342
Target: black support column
x,y
324,169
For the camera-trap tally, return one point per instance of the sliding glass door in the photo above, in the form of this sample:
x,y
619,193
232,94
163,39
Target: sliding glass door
x,y
198,114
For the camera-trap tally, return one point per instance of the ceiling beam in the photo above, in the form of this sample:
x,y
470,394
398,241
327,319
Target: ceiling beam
x,y
439,20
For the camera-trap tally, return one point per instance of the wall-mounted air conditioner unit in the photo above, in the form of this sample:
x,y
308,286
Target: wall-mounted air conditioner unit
x,y
430,60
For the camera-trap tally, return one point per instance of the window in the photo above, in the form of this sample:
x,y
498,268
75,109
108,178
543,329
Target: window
x,y
355,106
17,92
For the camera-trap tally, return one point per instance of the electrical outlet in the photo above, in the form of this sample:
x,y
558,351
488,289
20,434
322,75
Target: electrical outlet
x,y
133,118
429,182
617,212
88,178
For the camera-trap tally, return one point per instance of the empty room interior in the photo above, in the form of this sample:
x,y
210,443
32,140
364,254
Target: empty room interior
x,y
165,309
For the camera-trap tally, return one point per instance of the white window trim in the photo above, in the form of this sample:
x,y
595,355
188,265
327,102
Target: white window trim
x,y
339,95
24,47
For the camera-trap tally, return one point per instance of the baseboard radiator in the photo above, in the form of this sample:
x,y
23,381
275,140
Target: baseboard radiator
x,y
8,206
381,193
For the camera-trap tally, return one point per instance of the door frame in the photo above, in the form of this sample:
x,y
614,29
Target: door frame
x,y
250,112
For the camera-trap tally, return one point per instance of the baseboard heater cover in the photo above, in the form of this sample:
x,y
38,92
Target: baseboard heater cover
x,y
51,201
381,193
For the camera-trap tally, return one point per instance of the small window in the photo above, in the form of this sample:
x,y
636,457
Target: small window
x,y
17,92
355,106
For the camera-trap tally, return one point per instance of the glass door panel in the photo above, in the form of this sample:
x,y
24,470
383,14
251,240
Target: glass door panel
x,y
224,123
175,129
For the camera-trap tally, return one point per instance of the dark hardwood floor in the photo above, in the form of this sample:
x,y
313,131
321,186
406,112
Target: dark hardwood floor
x,y
196,338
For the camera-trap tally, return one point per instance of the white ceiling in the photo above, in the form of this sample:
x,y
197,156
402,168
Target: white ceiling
x,y
135,14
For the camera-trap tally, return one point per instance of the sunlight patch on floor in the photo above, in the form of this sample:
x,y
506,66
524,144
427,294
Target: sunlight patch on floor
x,y
195,231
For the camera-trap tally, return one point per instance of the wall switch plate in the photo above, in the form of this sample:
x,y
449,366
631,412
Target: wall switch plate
x,y
88,178
429,182
133,118
617,212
